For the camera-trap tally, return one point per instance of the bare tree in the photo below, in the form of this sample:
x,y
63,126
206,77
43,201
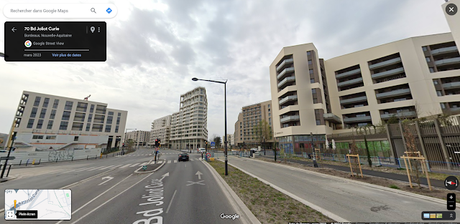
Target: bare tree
x,y
263,132
412,148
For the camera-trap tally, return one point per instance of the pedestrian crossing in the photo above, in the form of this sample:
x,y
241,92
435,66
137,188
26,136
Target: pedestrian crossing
x,y
122,166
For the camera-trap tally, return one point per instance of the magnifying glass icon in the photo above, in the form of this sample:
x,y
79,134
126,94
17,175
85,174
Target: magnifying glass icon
x,y
93,10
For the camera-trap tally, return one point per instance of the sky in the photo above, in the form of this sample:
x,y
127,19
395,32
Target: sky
x,y
155,48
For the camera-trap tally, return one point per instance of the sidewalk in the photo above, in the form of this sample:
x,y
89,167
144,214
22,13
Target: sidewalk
x,y
392,176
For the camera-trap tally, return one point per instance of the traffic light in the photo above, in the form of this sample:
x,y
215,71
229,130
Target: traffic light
x,y
156,142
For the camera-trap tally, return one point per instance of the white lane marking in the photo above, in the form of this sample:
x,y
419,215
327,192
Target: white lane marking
x,y
94,168
105,167
175,161
169,161
159,162
125,166
169,206
134,165
108,178
107,200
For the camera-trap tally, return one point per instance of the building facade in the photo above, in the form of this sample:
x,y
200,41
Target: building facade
x,y
161,129
230,140
409,78
45,122
141,138
189,125
248,119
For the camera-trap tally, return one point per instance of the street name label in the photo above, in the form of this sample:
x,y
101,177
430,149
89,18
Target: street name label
x,y
38,204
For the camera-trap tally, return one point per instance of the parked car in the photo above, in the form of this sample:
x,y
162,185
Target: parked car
x,y
183,157
202,150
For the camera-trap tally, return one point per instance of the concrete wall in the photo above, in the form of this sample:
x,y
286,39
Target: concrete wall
x,y
50,156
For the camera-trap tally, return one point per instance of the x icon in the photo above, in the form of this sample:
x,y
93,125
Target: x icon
x,y
192,183
451,9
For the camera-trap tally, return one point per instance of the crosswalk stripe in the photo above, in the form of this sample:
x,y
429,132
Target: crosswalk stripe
x,y
134,165
94,168
125,166
160,161
105,167
175,161
169,161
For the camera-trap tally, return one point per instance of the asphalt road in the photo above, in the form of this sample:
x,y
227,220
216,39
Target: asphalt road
x,y
109,191
346,200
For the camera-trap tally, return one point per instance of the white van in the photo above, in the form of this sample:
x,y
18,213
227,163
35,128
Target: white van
x,y
201,150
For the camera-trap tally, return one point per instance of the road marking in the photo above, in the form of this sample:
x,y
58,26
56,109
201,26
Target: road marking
x,y
106,167
108,178
169,206
175,161
134,165
107,200
169,161
125,166
94,168
198,173
193,183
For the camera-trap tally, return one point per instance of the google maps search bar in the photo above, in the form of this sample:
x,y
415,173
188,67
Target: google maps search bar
x,y
60,11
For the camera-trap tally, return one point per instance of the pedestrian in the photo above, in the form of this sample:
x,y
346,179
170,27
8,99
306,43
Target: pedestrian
x,y
201,155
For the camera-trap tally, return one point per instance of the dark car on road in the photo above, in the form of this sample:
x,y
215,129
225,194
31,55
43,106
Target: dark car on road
x,y
183,157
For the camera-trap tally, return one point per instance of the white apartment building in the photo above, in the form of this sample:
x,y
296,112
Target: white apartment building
x,y
161,129
413,77
44,121
189,125
141,138
230,140
248,118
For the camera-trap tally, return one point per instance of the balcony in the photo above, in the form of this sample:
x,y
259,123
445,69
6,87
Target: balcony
x,y
288,98
398,92
285,62
444,50
455,109
451,85
332,118
350,82
387,73
349,73
385,63
286,80
354,100
447,61
356,119
284,72
399,114
290,118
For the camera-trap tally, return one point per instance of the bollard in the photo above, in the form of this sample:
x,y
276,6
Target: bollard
x,y
27,162
39,161
87,157
33,162
20,162
8,171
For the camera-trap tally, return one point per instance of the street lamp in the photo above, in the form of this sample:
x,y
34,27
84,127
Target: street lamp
x,y
313,148
225,112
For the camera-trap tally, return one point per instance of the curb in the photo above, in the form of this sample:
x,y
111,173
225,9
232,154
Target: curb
x,y
428,198
142,172
295,197
236,202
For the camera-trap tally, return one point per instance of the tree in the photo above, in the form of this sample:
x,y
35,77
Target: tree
x,y
365,130
411,148
130,145
217,140
263,132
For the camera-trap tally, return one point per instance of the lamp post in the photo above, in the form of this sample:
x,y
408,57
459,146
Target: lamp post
x,y
225,112
313,148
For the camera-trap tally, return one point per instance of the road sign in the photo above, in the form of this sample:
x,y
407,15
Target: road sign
x,y
4,158
208,155
213,144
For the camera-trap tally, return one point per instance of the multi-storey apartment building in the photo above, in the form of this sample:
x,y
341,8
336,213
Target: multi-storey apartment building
x,y
45,121
248,118
413,77
230,140
141,138
161,129
189,125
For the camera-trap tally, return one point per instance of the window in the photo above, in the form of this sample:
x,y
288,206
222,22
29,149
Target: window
x,y
111,113
428,59
91,110
269,114
50,124
108,128
308,53
46,102
443,105
309,62
312,80
118,120
37,137
435,82
268,105
318,122
268,110
90,117
431,69
68,105
88,125
311,71
37,101
31,123
63,125
56,103
109,119
40,124
42,114
51,137
75,138
119,114
424,48
34,112
313,91
116,129
66,115
53,113
439,93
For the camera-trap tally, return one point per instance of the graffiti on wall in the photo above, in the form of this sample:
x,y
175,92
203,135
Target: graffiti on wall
x,y
61,155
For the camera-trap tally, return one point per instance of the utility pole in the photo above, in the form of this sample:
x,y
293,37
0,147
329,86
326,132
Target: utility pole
x,y
313,149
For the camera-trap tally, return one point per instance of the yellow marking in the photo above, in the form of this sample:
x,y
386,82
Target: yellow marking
x,y
14,203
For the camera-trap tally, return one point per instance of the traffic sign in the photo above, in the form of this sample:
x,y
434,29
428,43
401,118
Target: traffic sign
x,y
4,158
213,144
208,155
